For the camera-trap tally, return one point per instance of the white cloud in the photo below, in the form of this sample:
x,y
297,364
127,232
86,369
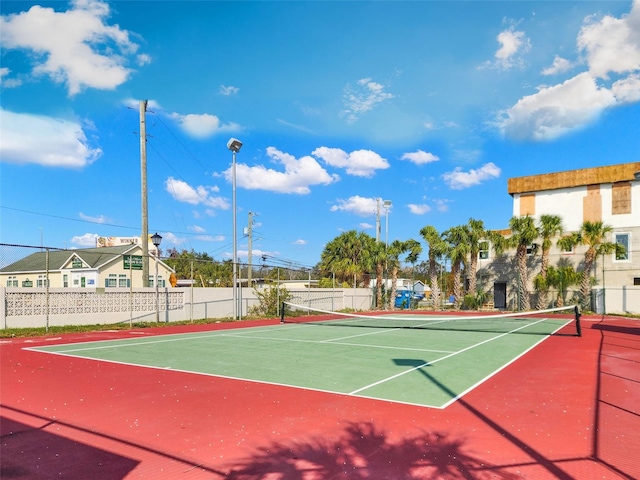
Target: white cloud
x,y
75,47
612,44
420,157
627,90
556,110
210,238
47,141
300,242
297,177
560,65
98,219
7,82
228,91
359,163
183,192
458,180
419,209
88,240
171,238
513,45
202,125
196,229
363,97
365,226
442,205
361,206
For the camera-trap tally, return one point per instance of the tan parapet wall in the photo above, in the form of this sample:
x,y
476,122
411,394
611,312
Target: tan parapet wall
x,y
574,178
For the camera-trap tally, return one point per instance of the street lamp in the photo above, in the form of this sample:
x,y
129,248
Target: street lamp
x,y
234,145
156,239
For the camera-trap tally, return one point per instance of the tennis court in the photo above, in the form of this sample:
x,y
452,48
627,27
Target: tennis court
x,y
389,359
566,408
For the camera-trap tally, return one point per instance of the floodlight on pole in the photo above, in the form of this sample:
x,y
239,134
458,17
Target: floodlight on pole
x,y
156,239
234,145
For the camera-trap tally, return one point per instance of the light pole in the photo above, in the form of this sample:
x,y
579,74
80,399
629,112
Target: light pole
x,y
234,145
387,205
156,239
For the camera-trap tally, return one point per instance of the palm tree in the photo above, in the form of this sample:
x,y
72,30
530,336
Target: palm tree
x,y
523,234
593,236
413,249
437,248
476,234
377,256
562,277
347,255
549,226
459,248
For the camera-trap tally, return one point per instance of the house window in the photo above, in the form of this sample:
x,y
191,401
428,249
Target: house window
x,y
122,280
12,281
42,281
636,280
111,281
65,280
483,250
622,239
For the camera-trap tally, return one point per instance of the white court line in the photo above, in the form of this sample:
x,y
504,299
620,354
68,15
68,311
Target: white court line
x,y
318,342
384,380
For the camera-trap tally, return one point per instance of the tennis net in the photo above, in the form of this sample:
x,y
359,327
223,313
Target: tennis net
x,y
560,321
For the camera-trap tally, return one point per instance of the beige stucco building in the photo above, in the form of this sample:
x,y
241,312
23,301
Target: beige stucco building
x,y
610,194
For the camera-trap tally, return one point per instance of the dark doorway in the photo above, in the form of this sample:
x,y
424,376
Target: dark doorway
x,y
500,295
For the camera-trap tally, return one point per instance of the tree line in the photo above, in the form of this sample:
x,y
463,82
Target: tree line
x,y
352,254
351,258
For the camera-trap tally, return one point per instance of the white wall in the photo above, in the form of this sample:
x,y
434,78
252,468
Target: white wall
x,y
567,202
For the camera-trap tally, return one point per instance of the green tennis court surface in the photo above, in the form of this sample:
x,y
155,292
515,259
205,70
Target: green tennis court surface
x,y
382,363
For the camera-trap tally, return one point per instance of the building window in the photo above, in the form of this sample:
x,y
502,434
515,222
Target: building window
x,y
622,239
111,281
621,198
483,250
122,280
12,281
636,280
532,249
65,280
42,281
567,251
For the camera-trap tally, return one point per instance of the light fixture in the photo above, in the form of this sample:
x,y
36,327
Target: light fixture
x,y
156,239
234,145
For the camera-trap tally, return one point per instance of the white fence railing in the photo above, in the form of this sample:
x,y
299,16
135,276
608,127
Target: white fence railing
x,y
41,307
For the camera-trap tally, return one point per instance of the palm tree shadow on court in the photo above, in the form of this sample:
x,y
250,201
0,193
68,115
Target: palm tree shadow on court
x,y
365,452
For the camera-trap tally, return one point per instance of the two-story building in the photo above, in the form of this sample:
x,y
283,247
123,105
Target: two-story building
x,y
610,194
106,267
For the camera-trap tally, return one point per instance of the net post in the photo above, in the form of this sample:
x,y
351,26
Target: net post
x,y
578,326
282,313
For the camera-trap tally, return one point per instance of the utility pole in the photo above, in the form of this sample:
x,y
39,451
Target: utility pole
x,y
144,237
250,253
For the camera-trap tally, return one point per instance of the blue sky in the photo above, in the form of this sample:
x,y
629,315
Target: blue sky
x,y
430,105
